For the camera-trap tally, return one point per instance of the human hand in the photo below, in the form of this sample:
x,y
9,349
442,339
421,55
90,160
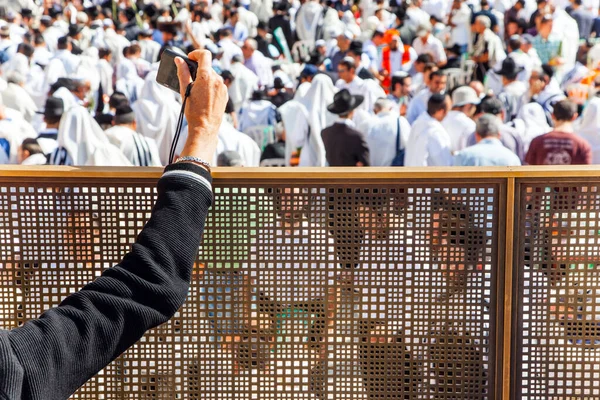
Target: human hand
x,y
205,105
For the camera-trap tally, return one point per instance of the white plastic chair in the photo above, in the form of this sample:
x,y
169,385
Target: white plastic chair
x,y
301,50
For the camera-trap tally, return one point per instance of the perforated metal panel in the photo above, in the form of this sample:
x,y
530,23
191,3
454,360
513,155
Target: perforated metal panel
x,y
311,290
558,302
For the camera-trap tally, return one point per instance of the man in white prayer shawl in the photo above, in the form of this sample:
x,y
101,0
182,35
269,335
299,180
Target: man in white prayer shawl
x,y
17,98
128,81
13,130
141,151
356,86
263,9
156,113
150,48
69,61
244,84
115,42
230,139
258,112
588,127
318,97
81,141
294,117
308,19
105,71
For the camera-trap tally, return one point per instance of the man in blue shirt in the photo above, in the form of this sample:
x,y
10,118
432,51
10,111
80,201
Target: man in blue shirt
x,y
489,150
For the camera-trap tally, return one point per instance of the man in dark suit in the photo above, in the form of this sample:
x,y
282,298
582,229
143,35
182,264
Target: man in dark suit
x,y
344,145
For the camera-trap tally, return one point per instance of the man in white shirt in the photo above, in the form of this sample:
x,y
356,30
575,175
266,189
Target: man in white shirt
x,y
240,32
426,43
256,62
369,89
460,22
387,134
429,143
230,49
418,105
459,123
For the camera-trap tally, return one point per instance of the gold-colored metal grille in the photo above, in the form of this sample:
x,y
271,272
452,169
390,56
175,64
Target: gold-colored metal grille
x,y
558,319
312,289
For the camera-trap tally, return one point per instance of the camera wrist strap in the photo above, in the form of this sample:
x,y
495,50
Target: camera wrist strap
x,y
179,123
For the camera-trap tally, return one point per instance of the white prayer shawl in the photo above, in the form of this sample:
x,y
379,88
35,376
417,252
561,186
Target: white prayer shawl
x,y
14,129
242,87
307,20
87,70
36,159
150,50
156,113
230,139
18,63
140,151
105,74
333,26
295,122
566,28
368,88
81,141
347,19
301,91
263,9
318,97
589,127
41,56
534,119
69,60
36,86
230,49
128,81
250,20
257,113
17,98
116,43
51,36
54,71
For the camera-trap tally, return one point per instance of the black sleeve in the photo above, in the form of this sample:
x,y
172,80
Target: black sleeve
x,y
229,108
69,344
363,151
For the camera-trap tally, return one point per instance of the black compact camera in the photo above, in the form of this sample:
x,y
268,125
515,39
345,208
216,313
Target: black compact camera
x,y
167,70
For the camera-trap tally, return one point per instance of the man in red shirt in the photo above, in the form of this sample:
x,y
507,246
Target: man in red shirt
x,y
561,146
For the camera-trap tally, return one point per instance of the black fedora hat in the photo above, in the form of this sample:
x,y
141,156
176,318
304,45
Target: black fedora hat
x,y
509,68
54,107
344,102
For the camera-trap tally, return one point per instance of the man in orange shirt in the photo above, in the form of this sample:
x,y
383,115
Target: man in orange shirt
x,y
394,58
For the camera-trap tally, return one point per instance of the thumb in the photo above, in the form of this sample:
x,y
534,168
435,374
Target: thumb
x,y
183,73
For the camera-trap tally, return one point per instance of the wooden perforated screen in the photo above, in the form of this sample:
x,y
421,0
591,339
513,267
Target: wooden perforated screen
x,y
313,289
557,335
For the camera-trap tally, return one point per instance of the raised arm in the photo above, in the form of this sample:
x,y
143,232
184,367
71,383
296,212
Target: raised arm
x,y
50,357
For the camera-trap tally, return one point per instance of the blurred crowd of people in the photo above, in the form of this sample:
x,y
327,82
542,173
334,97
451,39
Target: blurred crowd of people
x,y
311,82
